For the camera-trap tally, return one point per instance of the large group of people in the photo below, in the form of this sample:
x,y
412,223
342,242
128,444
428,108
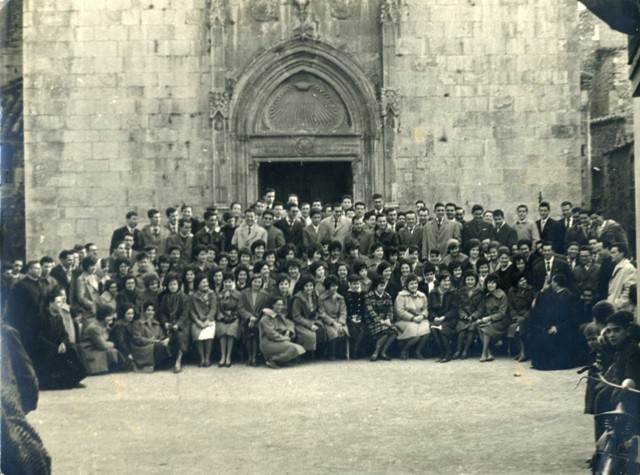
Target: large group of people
x,y
282,282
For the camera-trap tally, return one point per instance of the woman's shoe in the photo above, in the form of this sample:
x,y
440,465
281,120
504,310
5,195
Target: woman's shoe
x,y
445,360
271,364
464,356
419,356
404,355
455,356
177,368
373,358
227,364
207,364
385,357
490,358
221,364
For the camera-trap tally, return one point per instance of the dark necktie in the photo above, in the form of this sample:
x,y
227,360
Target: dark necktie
x,y
548,263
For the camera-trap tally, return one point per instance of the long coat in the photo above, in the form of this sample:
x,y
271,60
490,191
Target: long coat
x,y
379,308
328,230
408,306
174,310
624,276
146,348
248,307
202,310
243,238
275,339
495,307
436,238
96,349
333,310
304,315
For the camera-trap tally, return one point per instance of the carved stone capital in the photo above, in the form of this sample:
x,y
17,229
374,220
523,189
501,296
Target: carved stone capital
x,y
343,9
389,101
390,12
264,10
218,13
219,103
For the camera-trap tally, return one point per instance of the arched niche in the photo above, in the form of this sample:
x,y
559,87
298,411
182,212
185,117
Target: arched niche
x,y
302,102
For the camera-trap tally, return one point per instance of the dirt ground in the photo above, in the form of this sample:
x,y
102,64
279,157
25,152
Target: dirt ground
x,y
463,417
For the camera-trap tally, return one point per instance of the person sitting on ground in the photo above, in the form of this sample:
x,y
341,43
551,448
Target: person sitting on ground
x,y
276,335
99,354
411,318
494,321
150,345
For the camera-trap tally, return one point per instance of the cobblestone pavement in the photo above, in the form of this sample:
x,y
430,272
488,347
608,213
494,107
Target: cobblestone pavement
x,y
342,417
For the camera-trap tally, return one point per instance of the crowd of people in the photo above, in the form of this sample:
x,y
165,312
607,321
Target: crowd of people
x,y
283,282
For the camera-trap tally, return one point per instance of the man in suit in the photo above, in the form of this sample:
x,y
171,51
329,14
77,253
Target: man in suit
x,y
129,228
383,234
585,273
608,229
506,235
566,223
437,233
275,237
290,226
378,204
154,234
172,220
335,227
248,232
544,269
63,272
186,212
183,240
211,234
477,227
548,228
359,236
310,232
411,233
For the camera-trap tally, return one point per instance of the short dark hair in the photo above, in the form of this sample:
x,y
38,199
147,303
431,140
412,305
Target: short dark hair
x,y
152,212
131,214
622,248
170,210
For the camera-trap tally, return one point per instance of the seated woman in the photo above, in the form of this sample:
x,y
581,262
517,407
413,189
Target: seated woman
x,y
468,301
242,277
215,276
108,297
519,301
443,315
227,319
504,269
455,271
127,295
391,286
283,291
276,335
494,321
333,312
100,355
150,346
268,281
304,313
173,314
403,271
202,312
252,301
378,317
411,318
56,361
318,271
376,256
121,333
150,291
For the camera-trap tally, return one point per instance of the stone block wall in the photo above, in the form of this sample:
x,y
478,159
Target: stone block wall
x,y
115,114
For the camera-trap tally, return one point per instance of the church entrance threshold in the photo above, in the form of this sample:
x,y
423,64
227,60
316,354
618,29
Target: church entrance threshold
x,y
325,180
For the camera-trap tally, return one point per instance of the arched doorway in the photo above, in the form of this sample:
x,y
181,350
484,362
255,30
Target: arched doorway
x,y
305,119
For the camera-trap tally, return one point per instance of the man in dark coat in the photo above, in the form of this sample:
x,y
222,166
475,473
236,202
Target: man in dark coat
x,y
129,228
551,335
24,307
549,229
290,226
477,228
506,234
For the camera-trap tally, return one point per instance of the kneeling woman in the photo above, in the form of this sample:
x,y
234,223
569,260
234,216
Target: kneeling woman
x,y
98,353
411,314
276,333
333,312
378,317
150,347
227,319
493,322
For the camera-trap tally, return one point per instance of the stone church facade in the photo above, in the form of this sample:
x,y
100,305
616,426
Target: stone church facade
x,y
133,104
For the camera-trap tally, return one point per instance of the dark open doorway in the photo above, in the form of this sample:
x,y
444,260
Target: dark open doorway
x,y
325,180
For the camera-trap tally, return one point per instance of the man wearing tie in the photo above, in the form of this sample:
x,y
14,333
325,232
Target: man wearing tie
x,y
549,229
410,234
335,227
290,226
172,220
154,234
248,232
438,232
130,227
544,269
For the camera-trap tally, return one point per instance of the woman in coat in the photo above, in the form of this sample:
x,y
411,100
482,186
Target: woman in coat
x,y
378,317
227,319
121,333
108,297
494,321
304,313
150,346
411,318
252,301
276,335
127,295
468,301
100,355
56,361
203,306
283,291
87,288
333,313
173,314
444,316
